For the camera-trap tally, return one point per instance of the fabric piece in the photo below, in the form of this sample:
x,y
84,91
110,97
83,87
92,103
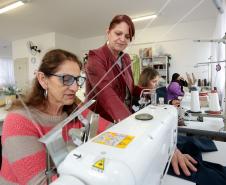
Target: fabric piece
x,y
136,68
204,144
208,173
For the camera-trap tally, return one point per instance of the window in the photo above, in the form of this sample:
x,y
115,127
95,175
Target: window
x,y
6,72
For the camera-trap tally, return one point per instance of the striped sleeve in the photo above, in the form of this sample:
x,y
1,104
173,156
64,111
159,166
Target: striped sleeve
x,y
25,154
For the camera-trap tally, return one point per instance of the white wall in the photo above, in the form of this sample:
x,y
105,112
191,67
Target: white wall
x,y
91,43
177,41
20,49
5,51
44,42
68,43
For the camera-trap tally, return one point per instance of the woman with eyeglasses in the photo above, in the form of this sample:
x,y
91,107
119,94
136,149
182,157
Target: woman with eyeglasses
x,y
109,74
51,100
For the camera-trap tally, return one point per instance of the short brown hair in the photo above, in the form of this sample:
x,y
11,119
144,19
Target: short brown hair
x,y
123,18
50,64
147,74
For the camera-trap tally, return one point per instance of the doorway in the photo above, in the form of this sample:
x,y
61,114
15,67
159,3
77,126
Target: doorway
x,y
21,74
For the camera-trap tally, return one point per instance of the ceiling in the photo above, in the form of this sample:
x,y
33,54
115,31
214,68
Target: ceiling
x,y
88,18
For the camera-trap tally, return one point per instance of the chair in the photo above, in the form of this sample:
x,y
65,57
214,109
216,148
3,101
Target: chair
x,y
162,92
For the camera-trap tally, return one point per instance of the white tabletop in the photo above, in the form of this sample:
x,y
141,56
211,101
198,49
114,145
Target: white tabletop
x,y
209,123
215,124
216,157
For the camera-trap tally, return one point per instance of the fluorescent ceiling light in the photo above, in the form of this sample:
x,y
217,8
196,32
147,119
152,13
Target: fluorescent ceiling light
x,y
11,6
144,18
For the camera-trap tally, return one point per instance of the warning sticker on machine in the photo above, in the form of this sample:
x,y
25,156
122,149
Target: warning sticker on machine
x,y
114,139
99,164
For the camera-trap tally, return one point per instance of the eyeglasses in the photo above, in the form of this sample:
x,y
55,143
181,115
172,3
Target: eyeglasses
x,y
69,79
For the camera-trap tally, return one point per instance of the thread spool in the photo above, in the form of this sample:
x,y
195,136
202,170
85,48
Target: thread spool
x,y
214,105
195,104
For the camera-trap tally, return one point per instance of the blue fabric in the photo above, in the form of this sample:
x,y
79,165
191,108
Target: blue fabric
x,y
204,144
208,173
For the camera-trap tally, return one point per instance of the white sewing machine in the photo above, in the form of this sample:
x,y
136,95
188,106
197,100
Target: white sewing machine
x,y
133,152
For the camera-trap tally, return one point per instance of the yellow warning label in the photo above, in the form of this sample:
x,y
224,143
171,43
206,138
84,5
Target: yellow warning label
x,y
99,164
114,139
125,142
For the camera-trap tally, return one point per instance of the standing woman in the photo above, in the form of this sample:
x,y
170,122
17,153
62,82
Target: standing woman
x,y
104,64
51,100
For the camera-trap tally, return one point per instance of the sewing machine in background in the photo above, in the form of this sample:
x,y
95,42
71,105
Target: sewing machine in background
x,y
133,152
207,121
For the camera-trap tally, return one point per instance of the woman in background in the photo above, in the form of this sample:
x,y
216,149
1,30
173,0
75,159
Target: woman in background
x,y
104,65
175,88
148,80
51,100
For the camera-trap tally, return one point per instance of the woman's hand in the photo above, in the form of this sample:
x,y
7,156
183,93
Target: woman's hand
x,y
183,161
181,78
175,102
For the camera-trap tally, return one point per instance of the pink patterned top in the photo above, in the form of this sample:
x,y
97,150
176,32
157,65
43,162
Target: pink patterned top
x,y
23,156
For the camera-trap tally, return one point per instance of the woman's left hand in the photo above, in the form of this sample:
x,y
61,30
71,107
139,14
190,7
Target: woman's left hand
x,y
183,161
175,102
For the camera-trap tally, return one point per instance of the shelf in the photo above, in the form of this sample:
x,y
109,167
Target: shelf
x,y
146,57
161,70
162,56
159,63
154,58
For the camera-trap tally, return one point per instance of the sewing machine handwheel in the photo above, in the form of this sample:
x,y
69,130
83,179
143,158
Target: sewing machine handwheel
x,y
144,116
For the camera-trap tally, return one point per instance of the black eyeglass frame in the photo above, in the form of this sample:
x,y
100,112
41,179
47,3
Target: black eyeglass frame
x,y
65,82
